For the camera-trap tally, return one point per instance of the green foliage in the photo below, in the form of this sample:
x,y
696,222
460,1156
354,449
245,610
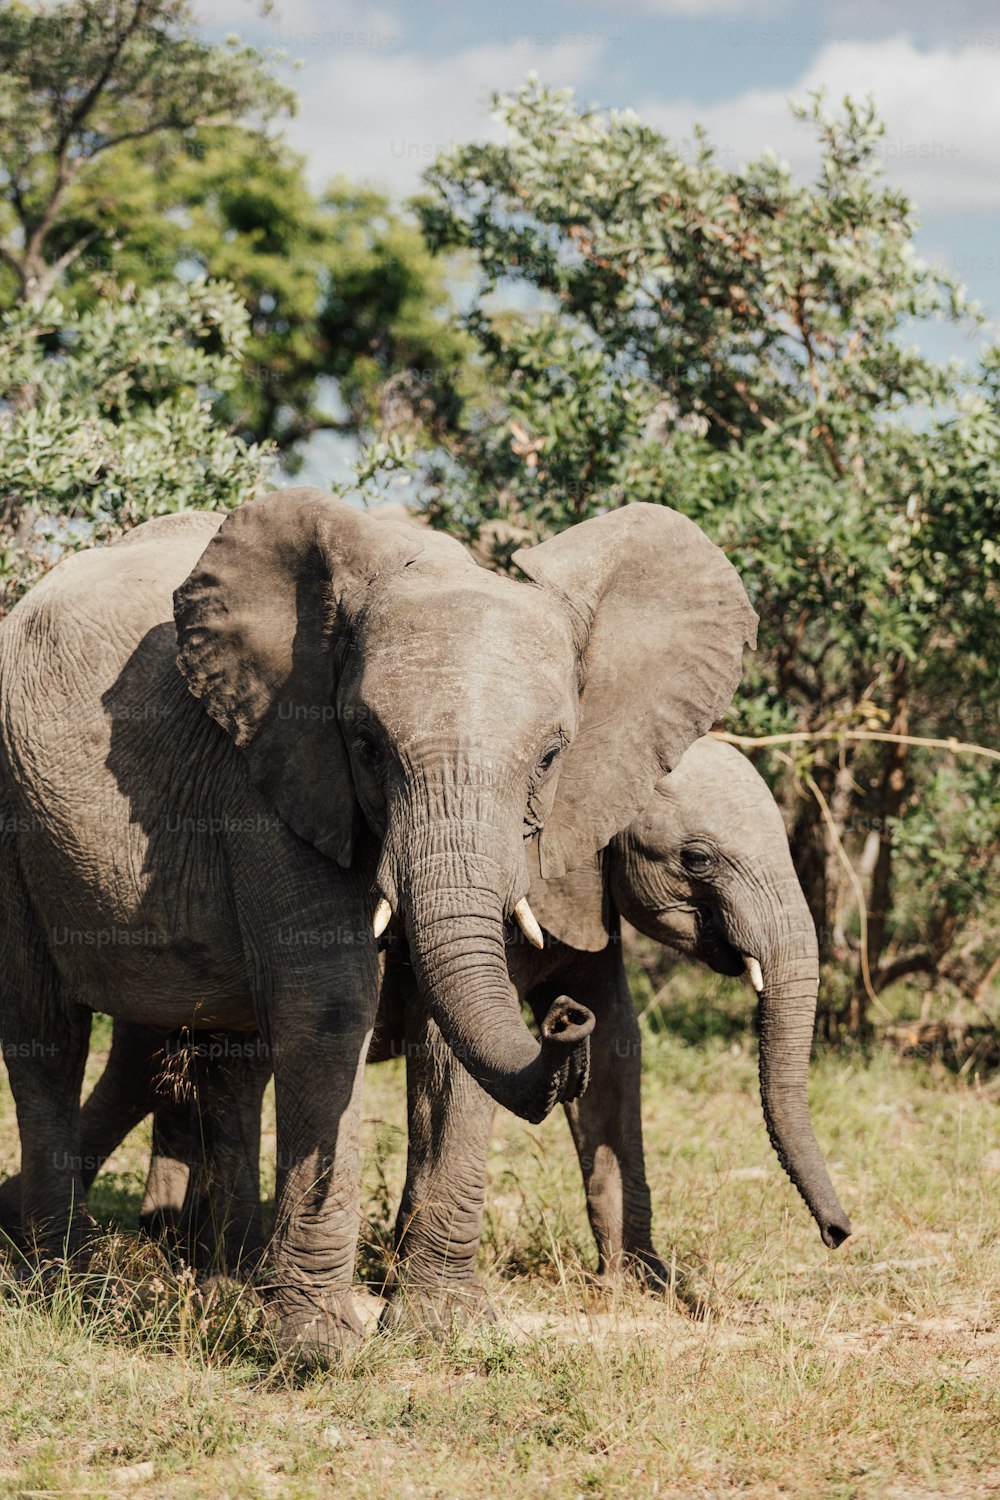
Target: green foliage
x,y
345,301
178,301
654,326
137,154
947,847
107,418
85,77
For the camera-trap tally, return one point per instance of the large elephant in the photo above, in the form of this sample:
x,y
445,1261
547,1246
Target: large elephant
x,y
704,869
383,727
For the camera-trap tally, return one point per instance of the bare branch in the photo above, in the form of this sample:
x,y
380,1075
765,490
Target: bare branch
x,y
86,104
817,736
73,253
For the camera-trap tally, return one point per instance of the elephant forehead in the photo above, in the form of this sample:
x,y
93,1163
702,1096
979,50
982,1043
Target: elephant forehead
x,y
714,791
498,635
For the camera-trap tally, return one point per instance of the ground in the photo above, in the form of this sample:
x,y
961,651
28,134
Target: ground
x,y
872,1371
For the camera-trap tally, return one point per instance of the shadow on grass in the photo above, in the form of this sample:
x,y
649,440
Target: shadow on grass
x,y
115,1201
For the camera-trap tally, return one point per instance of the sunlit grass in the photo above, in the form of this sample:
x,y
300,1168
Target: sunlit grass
x,y
873,1371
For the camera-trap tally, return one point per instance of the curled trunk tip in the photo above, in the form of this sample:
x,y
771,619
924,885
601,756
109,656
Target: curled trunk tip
x,y
456,939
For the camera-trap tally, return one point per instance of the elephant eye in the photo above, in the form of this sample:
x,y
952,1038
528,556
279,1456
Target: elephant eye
x,y
548,757
696,861
367,748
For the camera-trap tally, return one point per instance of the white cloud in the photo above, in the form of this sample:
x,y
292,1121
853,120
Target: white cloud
x,y
941,109
373,111
960,21
702,10
384,118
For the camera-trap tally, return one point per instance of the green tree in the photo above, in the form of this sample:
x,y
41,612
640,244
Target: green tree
x,y
135,153
83,79
179,303
349,311
106,419
736,344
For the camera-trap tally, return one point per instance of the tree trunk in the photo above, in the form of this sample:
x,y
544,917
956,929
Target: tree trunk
x,y
891,796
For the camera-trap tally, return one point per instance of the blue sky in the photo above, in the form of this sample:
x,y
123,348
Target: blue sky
x,y
384,84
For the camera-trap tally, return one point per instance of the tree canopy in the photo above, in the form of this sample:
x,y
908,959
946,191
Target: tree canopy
x,y
135,153
107,419
739,345
84,78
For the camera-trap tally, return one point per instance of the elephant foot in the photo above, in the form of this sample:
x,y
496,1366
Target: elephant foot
x,y
435,1311
219,1285
313,1335
53,1260
161,1223
239,1261
208,1250
80,1278
242,1262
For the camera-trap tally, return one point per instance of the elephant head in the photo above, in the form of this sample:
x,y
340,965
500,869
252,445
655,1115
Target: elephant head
x,y
706,869
373,674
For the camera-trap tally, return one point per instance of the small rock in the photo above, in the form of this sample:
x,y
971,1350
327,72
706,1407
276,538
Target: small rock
x,y
991,1161
136,1473
332,1437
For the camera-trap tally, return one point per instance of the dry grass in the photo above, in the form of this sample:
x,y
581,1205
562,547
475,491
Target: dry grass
x,y
872,1372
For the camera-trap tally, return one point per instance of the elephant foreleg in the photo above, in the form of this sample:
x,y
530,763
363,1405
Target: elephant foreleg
x,y
433,1281
606,1122
316,996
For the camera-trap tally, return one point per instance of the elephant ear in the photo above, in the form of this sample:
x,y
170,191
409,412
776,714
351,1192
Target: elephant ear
x,y
261,622
575,907
661,619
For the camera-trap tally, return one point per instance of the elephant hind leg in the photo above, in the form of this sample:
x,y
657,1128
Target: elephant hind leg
x,y
204,1181
168,1180
123,1095
45,1043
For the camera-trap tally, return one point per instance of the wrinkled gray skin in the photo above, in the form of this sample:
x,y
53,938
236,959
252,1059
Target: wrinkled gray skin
x,y
378,718
705,869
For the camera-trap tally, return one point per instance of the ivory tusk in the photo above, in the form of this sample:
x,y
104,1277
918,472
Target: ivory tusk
x,y
525,919
753,969
380,921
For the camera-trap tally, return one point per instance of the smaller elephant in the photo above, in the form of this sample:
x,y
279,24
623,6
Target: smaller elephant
x,y
705,870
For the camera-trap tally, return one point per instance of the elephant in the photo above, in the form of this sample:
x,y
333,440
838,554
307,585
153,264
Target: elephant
x,y
232,749
705,869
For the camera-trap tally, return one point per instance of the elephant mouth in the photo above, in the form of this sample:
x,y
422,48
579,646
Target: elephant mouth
x,y
714,948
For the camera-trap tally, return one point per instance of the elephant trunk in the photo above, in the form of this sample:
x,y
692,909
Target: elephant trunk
x,y
787,1012
454,921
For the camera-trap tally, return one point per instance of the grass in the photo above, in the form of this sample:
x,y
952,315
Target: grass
x,y
871,1372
